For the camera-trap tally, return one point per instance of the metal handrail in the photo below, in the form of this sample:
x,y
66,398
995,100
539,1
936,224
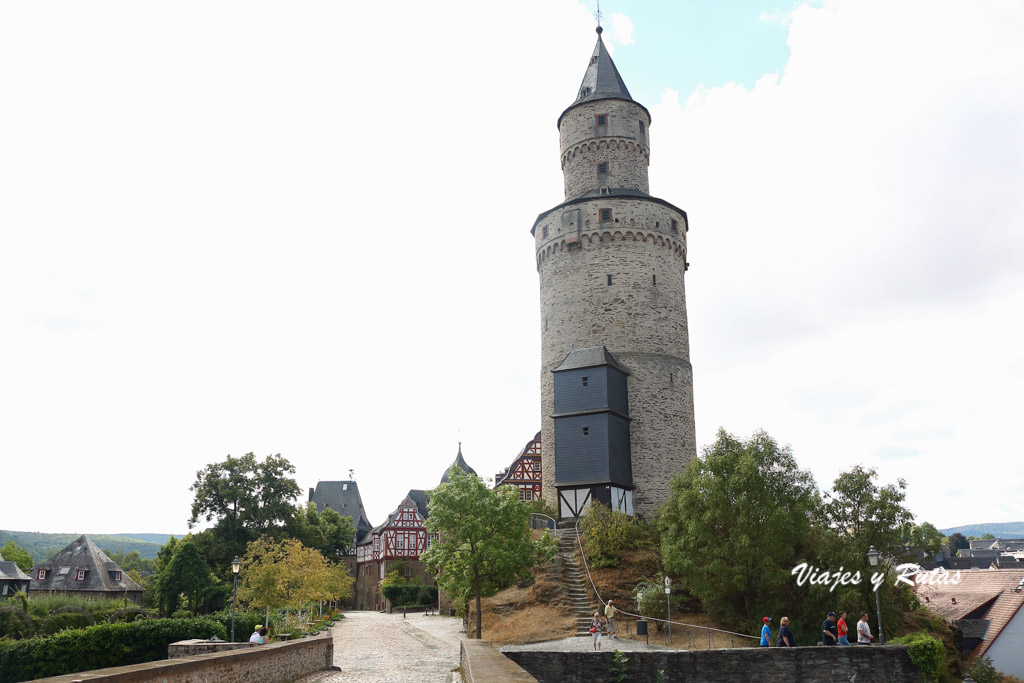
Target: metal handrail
x,y
586,565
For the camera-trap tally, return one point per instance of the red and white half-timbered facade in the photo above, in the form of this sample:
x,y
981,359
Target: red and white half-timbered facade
x,y
524,472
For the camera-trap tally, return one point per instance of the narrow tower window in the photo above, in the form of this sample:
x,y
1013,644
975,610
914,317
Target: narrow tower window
x,y
585,381
641,127
606,215
609,280
675,225
545,231
601,119
654,280
586,431
602,168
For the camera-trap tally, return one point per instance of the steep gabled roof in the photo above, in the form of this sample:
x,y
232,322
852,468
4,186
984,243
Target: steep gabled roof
x,y
601,81
81,555
343,497
460,462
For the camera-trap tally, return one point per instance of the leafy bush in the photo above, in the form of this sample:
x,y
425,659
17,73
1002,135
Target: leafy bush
x,y
65,618
409,594
129,614
618,672
926,653
181,614
245,622
98,647
608,533
15,623
983,671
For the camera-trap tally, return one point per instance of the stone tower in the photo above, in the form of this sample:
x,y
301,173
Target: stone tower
x,y
616,381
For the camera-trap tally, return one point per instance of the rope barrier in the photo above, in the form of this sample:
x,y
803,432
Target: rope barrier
x,y
586,565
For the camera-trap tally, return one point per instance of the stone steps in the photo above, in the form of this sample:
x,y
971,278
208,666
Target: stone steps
x,y
580,605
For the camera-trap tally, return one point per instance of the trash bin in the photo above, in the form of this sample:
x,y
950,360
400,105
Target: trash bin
x,y
641,627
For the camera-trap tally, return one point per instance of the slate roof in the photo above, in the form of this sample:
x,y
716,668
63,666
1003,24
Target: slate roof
x,y
343,497
10,571
601,81
81,554
460,462
992,593
588,358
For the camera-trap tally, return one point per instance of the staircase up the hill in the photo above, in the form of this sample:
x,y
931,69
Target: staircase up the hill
x,y
579,602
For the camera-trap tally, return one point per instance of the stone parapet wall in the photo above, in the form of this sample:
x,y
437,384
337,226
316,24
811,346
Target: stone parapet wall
x,y
191,648
481,663
276,662
889,664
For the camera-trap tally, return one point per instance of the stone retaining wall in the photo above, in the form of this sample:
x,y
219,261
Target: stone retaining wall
x,y
862,664
198,646
277,662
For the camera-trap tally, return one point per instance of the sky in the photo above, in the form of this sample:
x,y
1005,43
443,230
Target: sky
x,y
304,228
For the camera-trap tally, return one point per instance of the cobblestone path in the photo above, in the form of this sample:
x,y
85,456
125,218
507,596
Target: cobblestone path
x,y
369,646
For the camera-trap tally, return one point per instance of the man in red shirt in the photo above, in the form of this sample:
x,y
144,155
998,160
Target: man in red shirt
x,y
841,627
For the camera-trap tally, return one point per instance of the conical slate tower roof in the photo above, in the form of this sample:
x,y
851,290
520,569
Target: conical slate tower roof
x,y
602,80
460,462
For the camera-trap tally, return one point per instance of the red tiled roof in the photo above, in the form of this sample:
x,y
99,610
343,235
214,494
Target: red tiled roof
x,y
978,588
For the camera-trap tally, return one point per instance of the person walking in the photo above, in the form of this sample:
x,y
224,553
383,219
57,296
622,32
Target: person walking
x,y
609,613
829,635
842,630
595,629
766,632
864,636
786,638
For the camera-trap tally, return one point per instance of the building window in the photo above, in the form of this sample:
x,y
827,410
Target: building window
x,y
80,575
522,494
586,380
408,570
41,575
545,232
601,119
675,225
529,494
117,576
609,280
641,127
605,215
654,280
586,431
602,168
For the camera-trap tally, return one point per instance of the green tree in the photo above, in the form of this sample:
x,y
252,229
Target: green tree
x,y
956,541
736,522
12,553
186,574
245,498
484,542
924,536
325,530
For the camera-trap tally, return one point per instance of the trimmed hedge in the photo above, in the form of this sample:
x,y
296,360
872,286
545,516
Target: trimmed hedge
x,y
245,623
98,647
926,653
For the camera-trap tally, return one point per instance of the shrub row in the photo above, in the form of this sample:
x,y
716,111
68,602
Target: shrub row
x,y
98,647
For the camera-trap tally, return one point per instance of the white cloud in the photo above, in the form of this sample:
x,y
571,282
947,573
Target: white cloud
x,y
857,224
621,29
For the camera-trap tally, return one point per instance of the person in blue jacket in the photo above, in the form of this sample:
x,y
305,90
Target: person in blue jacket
x,y
766,632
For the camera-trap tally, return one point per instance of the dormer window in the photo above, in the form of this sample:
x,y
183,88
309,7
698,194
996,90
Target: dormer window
x,y
602,168
41,575
593,60
80,575
116,576
605,215
601,119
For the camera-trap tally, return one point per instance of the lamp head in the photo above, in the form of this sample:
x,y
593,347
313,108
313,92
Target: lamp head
x,y
873,557
236,565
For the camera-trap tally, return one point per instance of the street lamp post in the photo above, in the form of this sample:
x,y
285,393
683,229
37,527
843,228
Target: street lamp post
x,y
873,560
236,566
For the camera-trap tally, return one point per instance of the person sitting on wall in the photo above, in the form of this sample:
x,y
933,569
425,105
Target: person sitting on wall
x,y
255,637
263,636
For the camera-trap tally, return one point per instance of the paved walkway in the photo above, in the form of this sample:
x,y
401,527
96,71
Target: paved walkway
x,y
369,646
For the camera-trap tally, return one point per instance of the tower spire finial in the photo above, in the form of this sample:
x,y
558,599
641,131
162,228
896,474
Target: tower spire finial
x,y
598,15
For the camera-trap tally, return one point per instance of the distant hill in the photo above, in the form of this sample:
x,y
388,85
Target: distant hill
x,y
44,546
997,529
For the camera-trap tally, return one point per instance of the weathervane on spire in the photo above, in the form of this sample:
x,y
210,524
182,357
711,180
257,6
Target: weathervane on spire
x,y
597,15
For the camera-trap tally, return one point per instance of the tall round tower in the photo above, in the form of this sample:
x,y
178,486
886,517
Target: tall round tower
x,y
616,380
